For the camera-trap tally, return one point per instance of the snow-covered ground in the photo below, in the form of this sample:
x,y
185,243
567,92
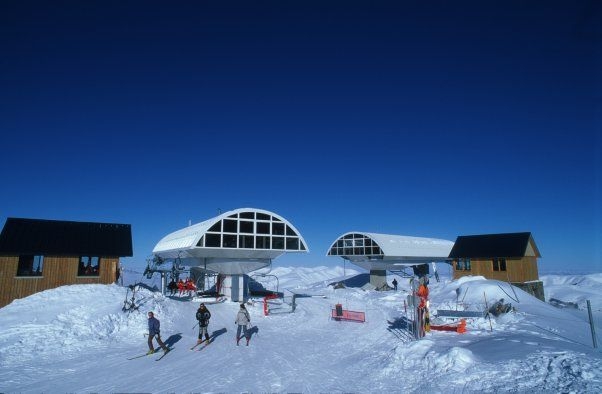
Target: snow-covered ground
x,y
77,339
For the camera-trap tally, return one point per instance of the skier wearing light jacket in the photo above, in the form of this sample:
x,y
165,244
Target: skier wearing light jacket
x,y
242,319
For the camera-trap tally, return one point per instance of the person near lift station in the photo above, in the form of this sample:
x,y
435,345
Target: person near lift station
x,y
203,315
242,319
154,330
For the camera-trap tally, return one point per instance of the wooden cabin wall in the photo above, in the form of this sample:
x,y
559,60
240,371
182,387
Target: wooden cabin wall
x,y
517,270
56,271
8,270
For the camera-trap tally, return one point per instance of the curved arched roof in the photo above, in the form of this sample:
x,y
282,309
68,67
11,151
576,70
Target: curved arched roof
x,y
385,251
244,233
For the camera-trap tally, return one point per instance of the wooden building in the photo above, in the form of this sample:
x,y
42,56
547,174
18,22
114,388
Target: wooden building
x,y
37,255
510,257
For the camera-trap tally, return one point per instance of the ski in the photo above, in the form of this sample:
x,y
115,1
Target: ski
x,y
164,354
194,347
205,345
140,356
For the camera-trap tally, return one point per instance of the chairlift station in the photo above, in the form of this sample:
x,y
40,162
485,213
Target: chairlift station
x,y
234,244
379,253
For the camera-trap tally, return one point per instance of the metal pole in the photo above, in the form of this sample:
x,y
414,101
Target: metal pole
x,y
415,305
591,324
487,308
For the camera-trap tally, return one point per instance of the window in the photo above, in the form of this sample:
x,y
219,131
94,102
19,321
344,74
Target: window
x,y
278,243
463,265
246,241
460,265
30,265
212,240
278,228
250,230
89,266
292,243
263,228
246,227
262,242
263,216
247,215
499,264
216,228
229,241
230,226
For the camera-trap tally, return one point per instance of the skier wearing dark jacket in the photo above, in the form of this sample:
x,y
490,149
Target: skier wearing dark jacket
x,y
203,315
154,329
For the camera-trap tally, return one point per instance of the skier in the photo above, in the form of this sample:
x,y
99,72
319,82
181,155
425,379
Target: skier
x,y
154,330
181,287
172,286
423,311
394,284
203,315
242,319
189,286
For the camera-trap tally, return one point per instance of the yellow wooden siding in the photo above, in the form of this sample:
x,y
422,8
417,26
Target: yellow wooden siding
x,y
517,270
56,271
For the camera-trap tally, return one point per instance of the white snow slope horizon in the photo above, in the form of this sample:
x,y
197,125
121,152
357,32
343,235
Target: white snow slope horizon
x,y
77,339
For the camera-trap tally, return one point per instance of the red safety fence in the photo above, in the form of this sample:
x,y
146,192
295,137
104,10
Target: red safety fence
x,y
342,314
266,309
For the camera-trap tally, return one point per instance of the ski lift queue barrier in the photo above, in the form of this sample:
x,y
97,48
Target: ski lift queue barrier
x,y
266,310
338,313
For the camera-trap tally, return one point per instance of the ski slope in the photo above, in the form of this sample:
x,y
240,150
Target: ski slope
x,y
78,339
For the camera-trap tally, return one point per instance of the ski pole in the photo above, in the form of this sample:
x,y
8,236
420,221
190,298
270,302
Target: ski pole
x,y
195,325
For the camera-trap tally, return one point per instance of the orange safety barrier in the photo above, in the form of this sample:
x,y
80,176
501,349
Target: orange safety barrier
x,y
460,328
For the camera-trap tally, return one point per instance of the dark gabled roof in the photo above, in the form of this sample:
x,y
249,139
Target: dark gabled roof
x,y
492,245
65,238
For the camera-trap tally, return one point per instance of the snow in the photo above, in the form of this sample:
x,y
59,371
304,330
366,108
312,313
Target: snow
x,y
77,339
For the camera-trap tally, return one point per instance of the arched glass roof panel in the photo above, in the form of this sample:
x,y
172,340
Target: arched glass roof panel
x,y
354,244
244,228
365,247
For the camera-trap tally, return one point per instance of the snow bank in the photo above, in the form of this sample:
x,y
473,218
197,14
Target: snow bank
x,y
77,339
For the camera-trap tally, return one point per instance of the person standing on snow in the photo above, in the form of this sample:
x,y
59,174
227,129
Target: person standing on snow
x,y
242,319
394,284
203,315
154,329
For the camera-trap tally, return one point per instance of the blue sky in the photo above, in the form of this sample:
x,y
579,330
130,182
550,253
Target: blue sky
x,y
431,119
